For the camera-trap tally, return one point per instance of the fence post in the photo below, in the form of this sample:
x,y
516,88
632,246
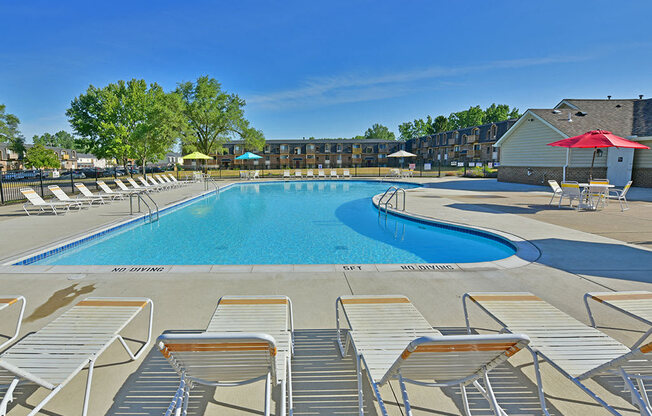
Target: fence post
x,y
72,186
439,168
96,186
40,178
2,194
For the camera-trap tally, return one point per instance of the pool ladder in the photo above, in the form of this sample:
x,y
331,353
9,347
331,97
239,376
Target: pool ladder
x,y
208,180
150,212
385,201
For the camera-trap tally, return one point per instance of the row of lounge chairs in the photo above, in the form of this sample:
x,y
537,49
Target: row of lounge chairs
x,y
64,202
321,174
251,338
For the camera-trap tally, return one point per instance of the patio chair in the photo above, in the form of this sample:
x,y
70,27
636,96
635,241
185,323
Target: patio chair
x,y
310,174
174,179
87,193
394,341
124,187
151,181
5,302
286,174
636,304
577,351
249,338
334,174
571,190
297,173
321,174
63,197
346,174
556,191
620,195
156,179
35,200
115,194
599,193
55,354
136,186
256,175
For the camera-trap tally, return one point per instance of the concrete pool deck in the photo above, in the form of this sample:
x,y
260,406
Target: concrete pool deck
x,y
580,252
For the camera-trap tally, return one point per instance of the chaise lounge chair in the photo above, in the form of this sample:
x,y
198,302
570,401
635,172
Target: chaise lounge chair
x,y
334,174
35,200
321,174
249,338
175,180
150,186
115,194
5,302
310,174
63,197
88,194
577,351
636,304
54,355
346,174
297,174
394,341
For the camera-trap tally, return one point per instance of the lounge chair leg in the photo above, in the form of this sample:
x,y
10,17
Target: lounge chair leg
x,y
175,403
641,388
466,313
89,379
45,401
537,372
289,378
637,399
186,399
465,400
406,399
491,398
268,393
588,310
9,397
359,375
281,400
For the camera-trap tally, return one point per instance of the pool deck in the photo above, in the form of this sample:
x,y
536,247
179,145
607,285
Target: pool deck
x,y
579,252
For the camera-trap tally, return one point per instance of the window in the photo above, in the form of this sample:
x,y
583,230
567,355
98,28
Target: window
x,y
357,156
310,156
284,148
327,148
382,156
382,146
476,147
297,151
267,149
236,148
457,135
311,147
464,138
339,147
284,157
457,148
356,146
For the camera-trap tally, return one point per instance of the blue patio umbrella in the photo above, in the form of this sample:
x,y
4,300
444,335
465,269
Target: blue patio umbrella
x,y
248,156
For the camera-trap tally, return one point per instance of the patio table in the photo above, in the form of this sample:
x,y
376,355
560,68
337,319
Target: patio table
x,y
585,190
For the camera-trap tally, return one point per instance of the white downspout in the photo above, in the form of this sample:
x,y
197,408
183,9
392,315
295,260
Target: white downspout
x,y
567,161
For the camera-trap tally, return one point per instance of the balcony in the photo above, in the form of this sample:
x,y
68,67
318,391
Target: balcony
x,y
472,138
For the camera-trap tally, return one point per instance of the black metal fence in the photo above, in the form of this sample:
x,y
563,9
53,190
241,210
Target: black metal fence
x,y
11,182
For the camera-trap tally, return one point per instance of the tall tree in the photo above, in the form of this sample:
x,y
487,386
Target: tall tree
x,y
59,139
38,157
161,121
213,117
10,133
380,132
440,124
474,116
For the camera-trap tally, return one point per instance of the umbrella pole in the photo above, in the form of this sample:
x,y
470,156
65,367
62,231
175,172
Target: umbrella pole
x,y
592,161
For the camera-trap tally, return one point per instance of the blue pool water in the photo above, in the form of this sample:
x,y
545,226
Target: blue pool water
x,y
325,222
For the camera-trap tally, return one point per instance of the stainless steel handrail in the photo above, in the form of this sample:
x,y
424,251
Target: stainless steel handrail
x,y
388,203
150,213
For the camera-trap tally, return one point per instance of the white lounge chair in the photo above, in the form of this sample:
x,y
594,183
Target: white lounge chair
x,y
35,200
115,194
636,304
5,302
87,193
321,174
577,351
63,197
54,355
136,186
346,174
125,188
167,181
286,174
256,175
151,186
394,173
154,182
394,341
174,179
334,174
155,179
620,195
310,174
556,191
249,338
297,174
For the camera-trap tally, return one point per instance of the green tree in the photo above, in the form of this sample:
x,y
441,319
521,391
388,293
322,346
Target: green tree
x,y
441,124
38,157
161,121
213,117
10,133
474,116
380,132
59,139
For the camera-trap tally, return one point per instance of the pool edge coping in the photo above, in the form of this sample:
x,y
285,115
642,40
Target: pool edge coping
x,y
526,252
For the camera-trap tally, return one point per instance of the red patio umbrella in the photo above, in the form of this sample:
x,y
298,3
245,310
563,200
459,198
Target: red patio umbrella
x,y
595,139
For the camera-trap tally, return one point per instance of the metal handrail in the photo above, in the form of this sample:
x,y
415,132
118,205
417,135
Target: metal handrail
x,y
387,204
150,213
211,180
153,202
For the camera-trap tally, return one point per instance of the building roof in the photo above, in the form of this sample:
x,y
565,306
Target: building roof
x,y
321,141
572,117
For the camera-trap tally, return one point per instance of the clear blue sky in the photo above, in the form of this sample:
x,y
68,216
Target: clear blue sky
x,y
328,68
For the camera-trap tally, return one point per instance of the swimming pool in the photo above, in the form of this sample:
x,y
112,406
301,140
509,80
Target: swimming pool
x,y
302,222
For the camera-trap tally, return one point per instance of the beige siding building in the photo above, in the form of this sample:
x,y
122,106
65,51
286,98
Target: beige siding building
x,y
525,156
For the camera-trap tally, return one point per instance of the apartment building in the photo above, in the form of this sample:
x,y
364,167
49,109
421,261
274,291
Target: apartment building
x,y
311,154
470,144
